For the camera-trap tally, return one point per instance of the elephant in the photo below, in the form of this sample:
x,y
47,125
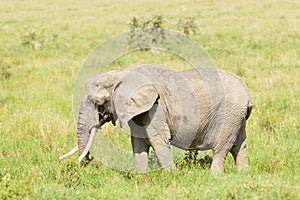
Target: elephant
x,y
202,108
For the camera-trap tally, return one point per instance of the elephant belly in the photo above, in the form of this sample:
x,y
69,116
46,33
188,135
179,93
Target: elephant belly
x,y
201,147
192,142
197,137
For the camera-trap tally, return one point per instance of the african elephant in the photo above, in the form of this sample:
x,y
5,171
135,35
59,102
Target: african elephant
x,y
200,108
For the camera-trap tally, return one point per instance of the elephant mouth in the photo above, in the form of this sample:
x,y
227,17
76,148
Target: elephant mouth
x,y
105,116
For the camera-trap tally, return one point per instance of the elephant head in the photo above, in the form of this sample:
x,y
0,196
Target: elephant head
x,y
95,109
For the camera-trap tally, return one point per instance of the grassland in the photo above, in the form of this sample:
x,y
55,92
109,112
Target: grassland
x,y
43,45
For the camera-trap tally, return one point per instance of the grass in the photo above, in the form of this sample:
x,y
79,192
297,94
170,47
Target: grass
x,y
259,41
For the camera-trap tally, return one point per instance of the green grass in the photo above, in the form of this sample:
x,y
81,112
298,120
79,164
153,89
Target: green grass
x,y
259,41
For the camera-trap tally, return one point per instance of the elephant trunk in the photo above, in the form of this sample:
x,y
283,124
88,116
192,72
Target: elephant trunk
x,y
87,120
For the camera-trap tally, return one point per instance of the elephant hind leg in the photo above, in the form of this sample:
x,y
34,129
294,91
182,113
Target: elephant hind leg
x,y
239,151
218,162
230,139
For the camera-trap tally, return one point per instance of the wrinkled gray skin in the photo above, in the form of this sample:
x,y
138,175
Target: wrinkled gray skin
x,y
203,108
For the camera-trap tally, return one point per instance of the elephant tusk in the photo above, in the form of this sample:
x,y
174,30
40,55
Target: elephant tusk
x,y
69,154
88,146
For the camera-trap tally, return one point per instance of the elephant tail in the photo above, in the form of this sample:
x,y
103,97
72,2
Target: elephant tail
x,y
249,109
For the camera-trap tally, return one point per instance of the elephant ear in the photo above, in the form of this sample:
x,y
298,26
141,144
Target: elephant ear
x,y
129,102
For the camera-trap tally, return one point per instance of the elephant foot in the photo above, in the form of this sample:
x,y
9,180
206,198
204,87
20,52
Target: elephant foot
x,y
218,162
217,167
169,167
241,161
141,161
239,152
165,159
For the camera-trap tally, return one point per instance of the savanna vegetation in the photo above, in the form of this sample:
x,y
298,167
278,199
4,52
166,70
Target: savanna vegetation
x,y
43,45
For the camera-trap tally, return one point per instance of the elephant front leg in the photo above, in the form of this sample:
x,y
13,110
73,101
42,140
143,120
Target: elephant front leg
x,y
161,146
140,151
